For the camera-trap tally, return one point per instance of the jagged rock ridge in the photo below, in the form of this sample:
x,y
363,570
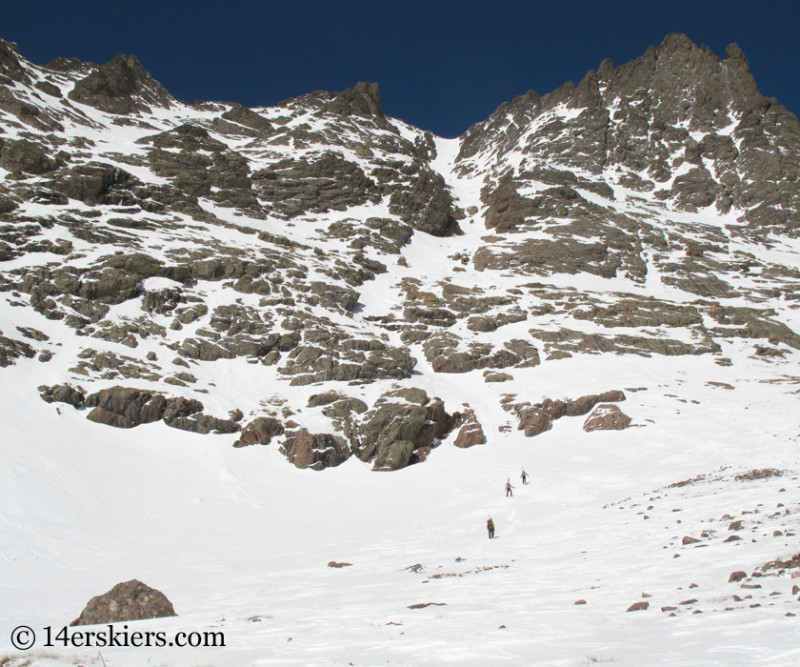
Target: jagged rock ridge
x,y
650,210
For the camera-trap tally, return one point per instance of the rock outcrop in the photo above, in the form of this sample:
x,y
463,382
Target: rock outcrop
x,y
63,393
315,450
12,349
402,428
538,418
121,86
471,432
260,431
124,407
607,417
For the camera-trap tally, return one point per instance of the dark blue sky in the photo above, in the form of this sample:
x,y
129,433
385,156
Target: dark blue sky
x,y
441,64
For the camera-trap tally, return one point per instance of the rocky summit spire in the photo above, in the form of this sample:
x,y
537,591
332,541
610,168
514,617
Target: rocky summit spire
x,y
10,67
362,100
684,82
121,86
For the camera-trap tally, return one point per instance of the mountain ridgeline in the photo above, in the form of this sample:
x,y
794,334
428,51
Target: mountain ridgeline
x,y
302,276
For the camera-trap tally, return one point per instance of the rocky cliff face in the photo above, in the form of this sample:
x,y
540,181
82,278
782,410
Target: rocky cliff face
x,y
155,254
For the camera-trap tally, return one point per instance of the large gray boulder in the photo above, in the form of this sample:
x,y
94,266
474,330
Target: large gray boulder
x,y
128,601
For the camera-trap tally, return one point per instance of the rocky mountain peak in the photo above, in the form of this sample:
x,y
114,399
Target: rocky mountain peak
x,y
678,72
364,99
121,86
734,52
10,67
678,121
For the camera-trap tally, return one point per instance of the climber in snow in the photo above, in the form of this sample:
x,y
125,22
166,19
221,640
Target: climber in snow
x,y
490,528
524,477
509,492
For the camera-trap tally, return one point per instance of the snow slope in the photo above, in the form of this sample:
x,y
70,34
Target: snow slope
x,y
239,540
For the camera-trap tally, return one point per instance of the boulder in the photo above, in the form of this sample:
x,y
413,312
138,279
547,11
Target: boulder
x,y
471,433
533,421
63,393
124,407
606,417
128,601
260,431
315,450
638,606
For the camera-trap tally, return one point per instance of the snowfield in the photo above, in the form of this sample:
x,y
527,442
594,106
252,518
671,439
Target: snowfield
x,y
239,540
